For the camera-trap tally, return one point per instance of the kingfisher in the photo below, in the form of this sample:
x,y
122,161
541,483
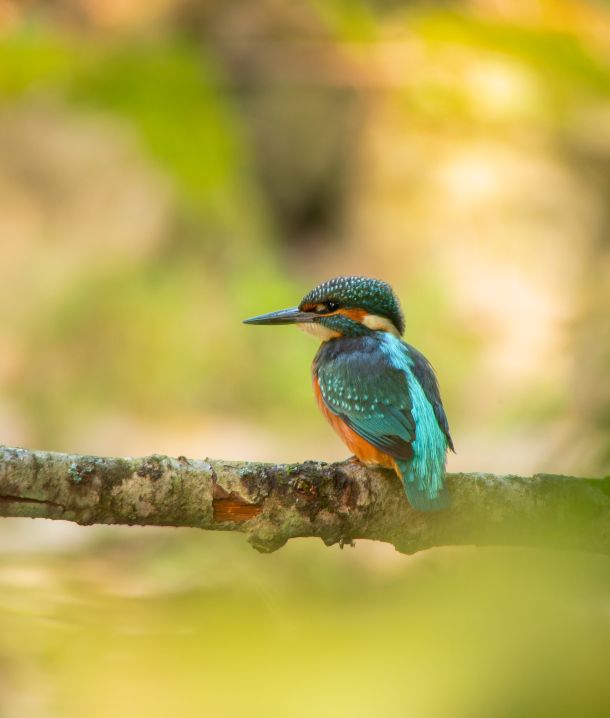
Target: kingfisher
x,y
379,393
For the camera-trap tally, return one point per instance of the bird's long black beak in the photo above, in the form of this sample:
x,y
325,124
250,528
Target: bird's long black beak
x,y
285,316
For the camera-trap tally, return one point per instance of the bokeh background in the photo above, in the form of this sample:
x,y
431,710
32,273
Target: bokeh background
x,y
170,167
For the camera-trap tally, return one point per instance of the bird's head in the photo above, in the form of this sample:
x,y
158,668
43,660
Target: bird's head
x,y
343,306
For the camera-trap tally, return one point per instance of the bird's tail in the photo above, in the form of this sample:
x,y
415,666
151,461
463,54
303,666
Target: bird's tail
x,y
425,493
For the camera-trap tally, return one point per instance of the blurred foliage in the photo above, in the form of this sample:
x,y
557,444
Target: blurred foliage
x,y
262,125
191,625
171,167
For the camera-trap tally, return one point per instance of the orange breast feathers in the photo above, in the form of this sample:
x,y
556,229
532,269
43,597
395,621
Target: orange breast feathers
x,y
367,453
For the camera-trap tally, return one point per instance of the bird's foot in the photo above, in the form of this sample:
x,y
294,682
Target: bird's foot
x,y
352,460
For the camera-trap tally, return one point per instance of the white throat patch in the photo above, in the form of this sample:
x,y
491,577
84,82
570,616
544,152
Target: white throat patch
x,y
318,330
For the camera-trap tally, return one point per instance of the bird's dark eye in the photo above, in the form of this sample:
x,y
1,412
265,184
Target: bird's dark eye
x,y
326,307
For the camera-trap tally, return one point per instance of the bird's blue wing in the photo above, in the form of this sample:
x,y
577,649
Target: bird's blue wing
x,y
371,397
370,384
424,373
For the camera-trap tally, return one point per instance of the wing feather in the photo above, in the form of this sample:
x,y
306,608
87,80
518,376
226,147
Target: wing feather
x,y
424,373
371,395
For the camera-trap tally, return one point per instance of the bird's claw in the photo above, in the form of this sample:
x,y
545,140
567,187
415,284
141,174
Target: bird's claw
x,y
346,542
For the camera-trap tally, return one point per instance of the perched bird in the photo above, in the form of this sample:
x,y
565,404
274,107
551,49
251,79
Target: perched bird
x,y
379,393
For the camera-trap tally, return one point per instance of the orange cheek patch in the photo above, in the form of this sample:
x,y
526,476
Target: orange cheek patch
x,y
355,314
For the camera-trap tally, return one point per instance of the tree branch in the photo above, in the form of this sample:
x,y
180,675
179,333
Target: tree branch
x,y
273,503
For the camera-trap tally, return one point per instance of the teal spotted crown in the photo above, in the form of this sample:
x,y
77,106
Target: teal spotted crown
x,y
373,295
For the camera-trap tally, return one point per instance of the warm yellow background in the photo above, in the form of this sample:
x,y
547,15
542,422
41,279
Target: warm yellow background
x,y
168,168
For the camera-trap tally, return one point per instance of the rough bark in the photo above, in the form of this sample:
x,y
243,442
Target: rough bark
x,y
272,503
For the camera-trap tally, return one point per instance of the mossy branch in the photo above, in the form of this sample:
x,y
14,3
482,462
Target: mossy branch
x,y
272,503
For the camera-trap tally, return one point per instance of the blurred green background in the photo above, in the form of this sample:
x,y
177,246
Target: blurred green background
x,y
170,167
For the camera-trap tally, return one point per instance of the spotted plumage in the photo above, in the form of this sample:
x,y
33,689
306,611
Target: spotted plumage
x,y
379,393
372,295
